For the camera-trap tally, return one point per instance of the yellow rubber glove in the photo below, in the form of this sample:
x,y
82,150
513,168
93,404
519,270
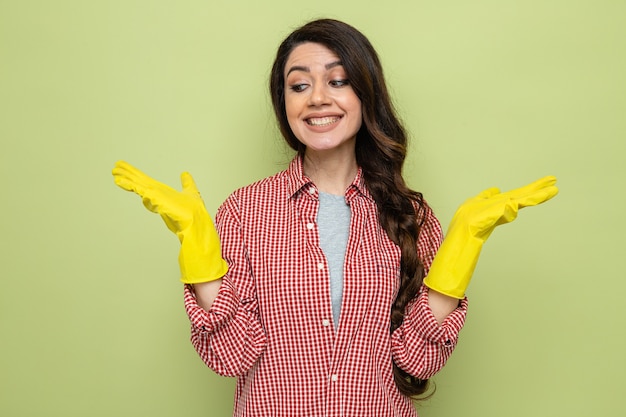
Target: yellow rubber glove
x,y
454,263
184,214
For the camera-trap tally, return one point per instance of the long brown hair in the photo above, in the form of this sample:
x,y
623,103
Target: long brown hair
x,y
380,152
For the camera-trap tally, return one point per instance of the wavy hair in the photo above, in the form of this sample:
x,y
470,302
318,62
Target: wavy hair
x,y
380,152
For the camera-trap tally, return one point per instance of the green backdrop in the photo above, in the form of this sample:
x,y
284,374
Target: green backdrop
x,y
494,93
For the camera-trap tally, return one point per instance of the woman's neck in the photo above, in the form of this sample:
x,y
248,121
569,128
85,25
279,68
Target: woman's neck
x,y
331,174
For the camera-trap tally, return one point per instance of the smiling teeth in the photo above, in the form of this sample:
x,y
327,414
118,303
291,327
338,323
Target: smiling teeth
x,y
322,121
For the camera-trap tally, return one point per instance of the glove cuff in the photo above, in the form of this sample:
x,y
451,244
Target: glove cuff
x,y
455,261
200,258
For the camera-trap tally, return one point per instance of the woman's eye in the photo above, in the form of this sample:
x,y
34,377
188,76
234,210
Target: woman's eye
x,y
298,87
339,83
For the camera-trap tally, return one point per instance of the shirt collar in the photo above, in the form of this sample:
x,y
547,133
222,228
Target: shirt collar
x,y
298,182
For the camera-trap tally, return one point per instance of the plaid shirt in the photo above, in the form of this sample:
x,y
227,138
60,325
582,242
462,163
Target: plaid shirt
x,y
271,324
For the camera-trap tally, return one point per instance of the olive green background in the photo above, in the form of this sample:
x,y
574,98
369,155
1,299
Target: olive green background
x,y
494,93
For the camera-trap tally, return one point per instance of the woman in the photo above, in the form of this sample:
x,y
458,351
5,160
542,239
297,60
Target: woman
x,y
316,300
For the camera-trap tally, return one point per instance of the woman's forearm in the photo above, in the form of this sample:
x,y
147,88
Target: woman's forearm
x,y
441,305
206,292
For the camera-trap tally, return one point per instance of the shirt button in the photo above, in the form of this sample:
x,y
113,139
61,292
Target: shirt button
x,y
334,377
312,190
320,266
325,322
310,226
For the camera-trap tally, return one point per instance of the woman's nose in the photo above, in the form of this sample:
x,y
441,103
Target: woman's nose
x,y
319,96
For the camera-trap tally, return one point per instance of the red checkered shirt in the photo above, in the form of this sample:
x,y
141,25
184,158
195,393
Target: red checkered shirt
x,y
271,324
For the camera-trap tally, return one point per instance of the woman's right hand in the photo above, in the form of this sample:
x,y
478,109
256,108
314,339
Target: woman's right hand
x,y
184,214
176,208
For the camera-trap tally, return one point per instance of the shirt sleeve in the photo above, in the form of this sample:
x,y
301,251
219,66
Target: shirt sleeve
x,y
229,337
420,346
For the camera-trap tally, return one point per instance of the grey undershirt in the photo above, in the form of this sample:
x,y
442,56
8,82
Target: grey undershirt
x,y
333,222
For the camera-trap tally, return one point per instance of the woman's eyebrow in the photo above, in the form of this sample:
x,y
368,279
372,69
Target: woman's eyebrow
x,y
298,68
307,69
333,64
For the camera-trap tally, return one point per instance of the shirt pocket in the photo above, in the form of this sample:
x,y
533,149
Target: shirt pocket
x,y
388,282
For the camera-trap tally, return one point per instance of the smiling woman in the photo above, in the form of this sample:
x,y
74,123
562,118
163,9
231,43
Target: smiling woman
x,y
313,291
328,51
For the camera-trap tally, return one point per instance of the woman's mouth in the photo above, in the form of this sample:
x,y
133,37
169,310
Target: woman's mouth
x,y
322,121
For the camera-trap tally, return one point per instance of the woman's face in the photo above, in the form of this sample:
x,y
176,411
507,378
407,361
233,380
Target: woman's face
x,y
323,111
